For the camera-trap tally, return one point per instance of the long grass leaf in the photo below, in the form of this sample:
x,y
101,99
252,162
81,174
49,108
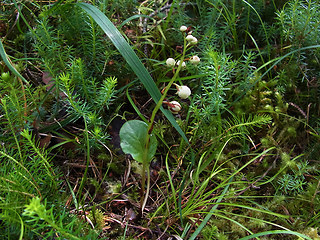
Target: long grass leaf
x,y
212,210
132,18
9,65
132,59
275,232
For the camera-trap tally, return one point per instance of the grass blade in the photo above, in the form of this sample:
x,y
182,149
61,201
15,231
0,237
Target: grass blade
x,y
9,65
132,18
212,210
275,232
132,59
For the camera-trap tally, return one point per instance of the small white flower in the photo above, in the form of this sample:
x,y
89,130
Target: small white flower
x,y
194,60
183,65
170,62
174,107
189,38
194,41
183,28
183,91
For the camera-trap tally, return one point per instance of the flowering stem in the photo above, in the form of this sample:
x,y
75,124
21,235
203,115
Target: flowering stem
x,y
159,104
145,164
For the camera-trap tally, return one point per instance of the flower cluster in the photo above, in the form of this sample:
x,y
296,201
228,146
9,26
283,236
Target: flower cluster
x,y
182,91
191,39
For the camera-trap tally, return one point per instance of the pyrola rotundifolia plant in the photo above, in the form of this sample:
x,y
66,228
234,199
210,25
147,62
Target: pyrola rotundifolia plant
x,y
136,135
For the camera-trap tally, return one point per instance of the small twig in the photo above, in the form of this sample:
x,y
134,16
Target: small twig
x,y
127,172
299,109
162,234
14,24
263,175
146,103
315,192
251,141
308,112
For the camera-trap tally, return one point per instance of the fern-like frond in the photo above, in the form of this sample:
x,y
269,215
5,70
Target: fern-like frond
x,y
243,125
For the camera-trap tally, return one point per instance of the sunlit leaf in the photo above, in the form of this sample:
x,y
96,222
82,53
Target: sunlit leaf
x,y
133,140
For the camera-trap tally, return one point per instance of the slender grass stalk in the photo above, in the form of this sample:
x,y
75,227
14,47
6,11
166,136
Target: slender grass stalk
x,y
230,19
234,221
21,227
171,183
257,47
93,41
262,24
275,232
168,18
84,178
125,232
4,104
135,107
212,210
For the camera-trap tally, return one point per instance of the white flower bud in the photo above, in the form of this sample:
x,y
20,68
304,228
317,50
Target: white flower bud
x,y
183,91
183,65
194,60
183,28
171,62
194,41
174,107
189,38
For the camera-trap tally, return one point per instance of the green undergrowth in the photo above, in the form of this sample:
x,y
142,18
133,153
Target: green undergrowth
x,y
239,159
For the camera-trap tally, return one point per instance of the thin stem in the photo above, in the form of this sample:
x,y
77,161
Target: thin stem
x,y
4,104
93,42
147,193
159,104
84,178
145,164
143,178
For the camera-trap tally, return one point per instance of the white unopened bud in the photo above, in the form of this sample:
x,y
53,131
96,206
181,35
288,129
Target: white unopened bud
x,y
183,91
194,60
174,107
194,41
183,65
171,62
183,28
189,38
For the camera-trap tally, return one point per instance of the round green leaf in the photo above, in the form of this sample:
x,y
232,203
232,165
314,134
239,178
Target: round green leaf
x,y
133,140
